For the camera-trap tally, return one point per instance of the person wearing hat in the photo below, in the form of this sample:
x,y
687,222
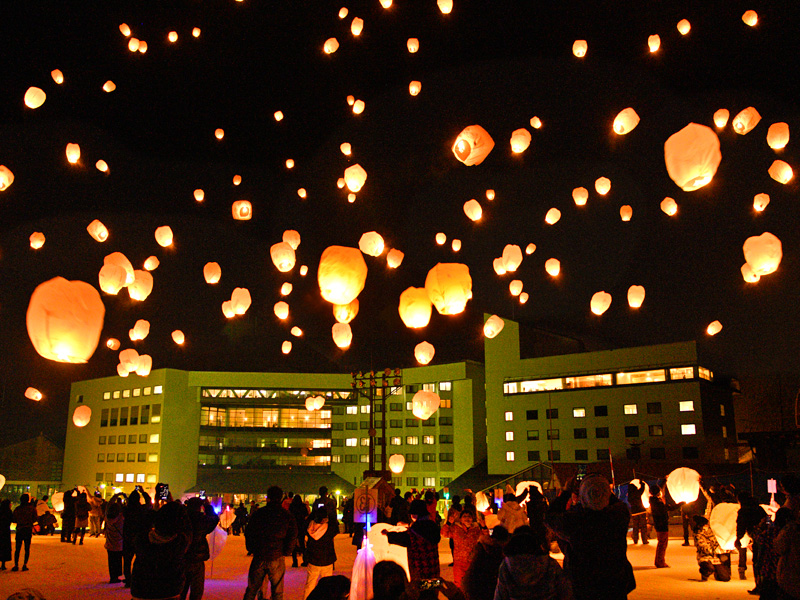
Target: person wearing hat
x,y
422,542
592,535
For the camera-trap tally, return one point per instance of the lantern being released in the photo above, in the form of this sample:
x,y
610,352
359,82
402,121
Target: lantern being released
x,y
520,140
512,257
81,417
396,463
242,210
684,27
692,156
413,45
415,308
178,337
493,326
654,43
212,272
151,263
342,274
721,117
683,485
330,46
424,352
760,202
291,237
625,212
394,258
73,153
626,121
553,267
449,287
424,404
281,310
354,177
142,285
112,278
763,253
602,185
669,206
64,320
745,121
6,177
37,240
553,216
283,256
342,335
371,244
473,145
240,300
34,97
600,302
164,236
723,523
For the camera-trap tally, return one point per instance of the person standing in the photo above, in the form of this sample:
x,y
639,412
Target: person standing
x,y
320,554
82,509
661,524
68,515
137,517
299,511
113,545
96,512
462,528
25,518
5,533
452,516
638,513
421,541
270,535
203,520
748,518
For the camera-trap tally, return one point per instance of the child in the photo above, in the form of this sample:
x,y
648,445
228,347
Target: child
x,y
709,554
464,531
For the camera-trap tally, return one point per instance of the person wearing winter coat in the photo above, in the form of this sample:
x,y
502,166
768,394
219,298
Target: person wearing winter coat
x,y
68,515
511,514
299,511
748,518
25,518
465,532
5,533
661,524
320,553
421,541
638,513
46,519
709,551
137,520
82,509
203,521
480,579
96,512
529,573
787,547
115,521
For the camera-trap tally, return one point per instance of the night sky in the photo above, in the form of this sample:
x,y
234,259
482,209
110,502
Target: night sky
x,y
494,64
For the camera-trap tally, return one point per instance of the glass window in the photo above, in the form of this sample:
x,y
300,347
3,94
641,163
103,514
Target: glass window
x,y
510,387
351,425
533,455
151,478
509,436
112,439
654,408
690,452
142,438
395,441
578,413
724,431
533,434
444,481
688,429
135,416
602,454
351,442
650,376
352,410
445,420
445,439
137,392
350,458
721,410
428,457
585,381
148,391
445,457
154,438
101,440
551,413
131,457
581,455
658,453
120,457
126,393
686,405
554,455
429,422
158,389
336,458
411,481
364,409
152,458
123,415
365,441
121,439
580,433
429,387
140,478
144,415
445,386
412,457
509,416
116,395
395,422
601,432
681,373
132,438
114,417
632,431
656,430
119,477
412,440
110,457
409,405
412,422
429,481
510,456
101,457
541,385
552,434
395,406
601,411
630,409
705,373
106,395
428,439
532,415
156,416
364,425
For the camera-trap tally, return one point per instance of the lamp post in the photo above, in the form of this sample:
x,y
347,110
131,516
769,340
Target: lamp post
x,y
372,385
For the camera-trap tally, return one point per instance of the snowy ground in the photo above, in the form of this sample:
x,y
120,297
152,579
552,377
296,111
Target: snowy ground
x,y
66,572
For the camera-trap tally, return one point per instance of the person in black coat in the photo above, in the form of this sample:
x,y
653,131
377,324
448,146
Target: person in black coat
x,y
661,524
5,533
136,515
68,515
299,511
748,518
638,513
320,553
480,579
203,520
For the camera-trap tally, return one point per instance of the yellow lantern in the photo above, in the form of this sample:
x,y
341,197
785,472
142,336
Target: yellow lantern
x,y
286,347
520,140
625,212
342,274
212,272
424,352
669,206
358,107
490,195
98,231
536,122
242,210
172,36
133,44
119,259
296,331
343,12
499,266
721,117
240,300
455,245
80,418
635,296
394,258
125,30
493,326
291,237
745,121
600,302
196,32
289,163
73,153
714,328
351,197
227,309
64,320
278,115
602,185
302,193
414,88
199,195
37,240
579,48
415,308
371,244
763,253
424,404
237,179
357,26
413,45
523,297
781,171
553,267
473,210
112,278
692,156
355,176
749,275
281,310
530,248
57,76
142,46
145,365
441,238
580,195
219,133
684,26
512,257
303,270
34,97
112,343
330,46
760,202
654,43
396,463
626,121
286,288
151,263
778,135
722,521
101,166
141,329
750,18
164,236
515,287
178,337
109,86
6,178
473,145
449,287
33,394
446,6
346,149
142,285
344,313
342,335
553,216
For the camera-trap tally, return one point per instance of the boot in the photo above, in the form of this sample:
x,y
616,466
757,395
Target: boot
x,y
742,575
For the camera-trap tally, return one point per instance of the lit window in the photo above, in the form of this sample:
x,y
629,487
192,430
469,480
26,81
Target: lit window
x,y
116,394
351,442
705,373
119,477
509,457
429,387
106,395
152,457
727,454
365,441
509,436
129,477
686,405
510,387
140,478
395,441
589,381
509,415
364,409
688,429
541,385
445,386
148,391
352,410
578,412
681,373
409,405
137,392
158,389
630,409
724,431
722,410
428,439
650,376
429,481
412,440
126,393
154,437
151,478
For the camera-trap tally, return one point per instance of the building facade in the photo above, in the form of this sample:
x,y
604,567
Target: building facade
x,y
31,467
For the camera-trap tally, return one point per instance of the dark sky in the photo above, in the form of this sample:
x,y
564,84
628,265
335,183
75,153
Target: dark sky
x,y
496,64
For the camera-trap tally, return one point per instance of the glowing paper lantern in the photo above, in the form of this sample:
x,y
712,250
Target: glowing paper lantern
x,y
530,248
355,176
600,302
449,287
101,166
626,121
289,163
763,253
473,210
34,97
310,403
358,107
424,352
351,197
760,202
357,26
499,266
683,485
133,44
112,343
33,394
57,76
714,328
64,320
303,270
635,296
344,313
750,18
242,210
669,206
278,115
721,117
237,179
346,148
227,309
414,88
80,418
749,275
553,267
645,487
493,326
602,185
281,310
520,140
553,216
330,46
580,195
746,120
778,135
394,258
296,331
536,122
396,463
342,335
424,404
112,278
37,240
625,212
6,178
151,263
164,236
723,523
109,86
415,308
212,272
413,45
291,237
142,46
73,153
196,32
654,43
371,244
240,300
515,287
343,12
512,258
446,6
456,245
199,195
141,329
98,231
286,288
286,347
283,256
692,156
142,285
178,337
579,48
145,365
172,36
441,238
684,26
342,274
781,172
125,30
473,145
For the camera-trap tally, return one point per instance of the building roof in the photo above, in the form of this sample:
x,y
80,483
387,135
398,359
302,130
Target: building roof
x,y
258,481
34,459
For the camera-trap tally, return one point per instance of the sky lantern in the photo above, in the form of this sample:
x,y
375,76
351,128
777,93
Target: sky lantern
x,y
101,166
414,88
286,348
242,210
81,417
721,117
778,136
600,302
199,195
635,296
684,26
64,320
172,36
473,145
371,243
490,195
122,371
536,122
278,115
745,121
512,257
760,202
722,521
6,178
112,343
237,179
34,97
343,12
142,46
530,248
112,278
178,337
523,297
330,46
98,231
142,285
358,107
692,156
515,287
164,236
145,365
750,18
424,404
286,288
449,287
296,331
342,335
580,195
763,253
219,133
625,212
499,266
351,197
281,310
553,216
446,6
415,308
109,86
520,140
602,185
303,270
141,329
626,121
412,45
289,163
291,237
749,275
493,326
473,210
212,272
302,193
456,245
125,30
394,258
342,274
33,394
283,256
37,240
196,32
781,172
151,263
396,463
240,300
579,48
119,259
714,328
357,26
654,43
669,206
424,352
346,148
227,309
73,153
354,177
344,313
553,267
441,238
133,44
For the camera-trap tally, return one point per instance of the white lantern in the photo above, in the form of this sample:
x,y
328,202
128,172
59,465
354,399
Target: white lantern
x,y
424,352
342,274
580,195
240,300
424,404
721,117
683,485
291,237
692,156
473,210
142,285
283,256
512,257
354,177
415,308
553,216
745,121
178,337
520,140
473,145
281,310
515,287
34,97
714,328
342,335
371,244
164,236
579,48
626,121
394,258
760,202
781,172
553,267
98,231
625,212
396,463
344,313
635,296
602,185
763,253
80,418
778,136
449,287
669,206
212,272
723,523
413,45
600,302
654,43
493,326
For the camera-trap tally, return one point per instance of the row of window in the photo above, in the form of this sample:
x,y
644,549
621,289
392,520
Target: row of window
x,y
135,392
396,423
130,415
219,416
428,482
601,410
129,457
364,409
631,431
142,438
262,461
126,477
427,457
689,452
261,443
268,394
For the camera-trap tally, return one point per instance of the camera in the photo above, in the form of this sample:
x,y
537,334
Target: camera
x,y
427,584
162,491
